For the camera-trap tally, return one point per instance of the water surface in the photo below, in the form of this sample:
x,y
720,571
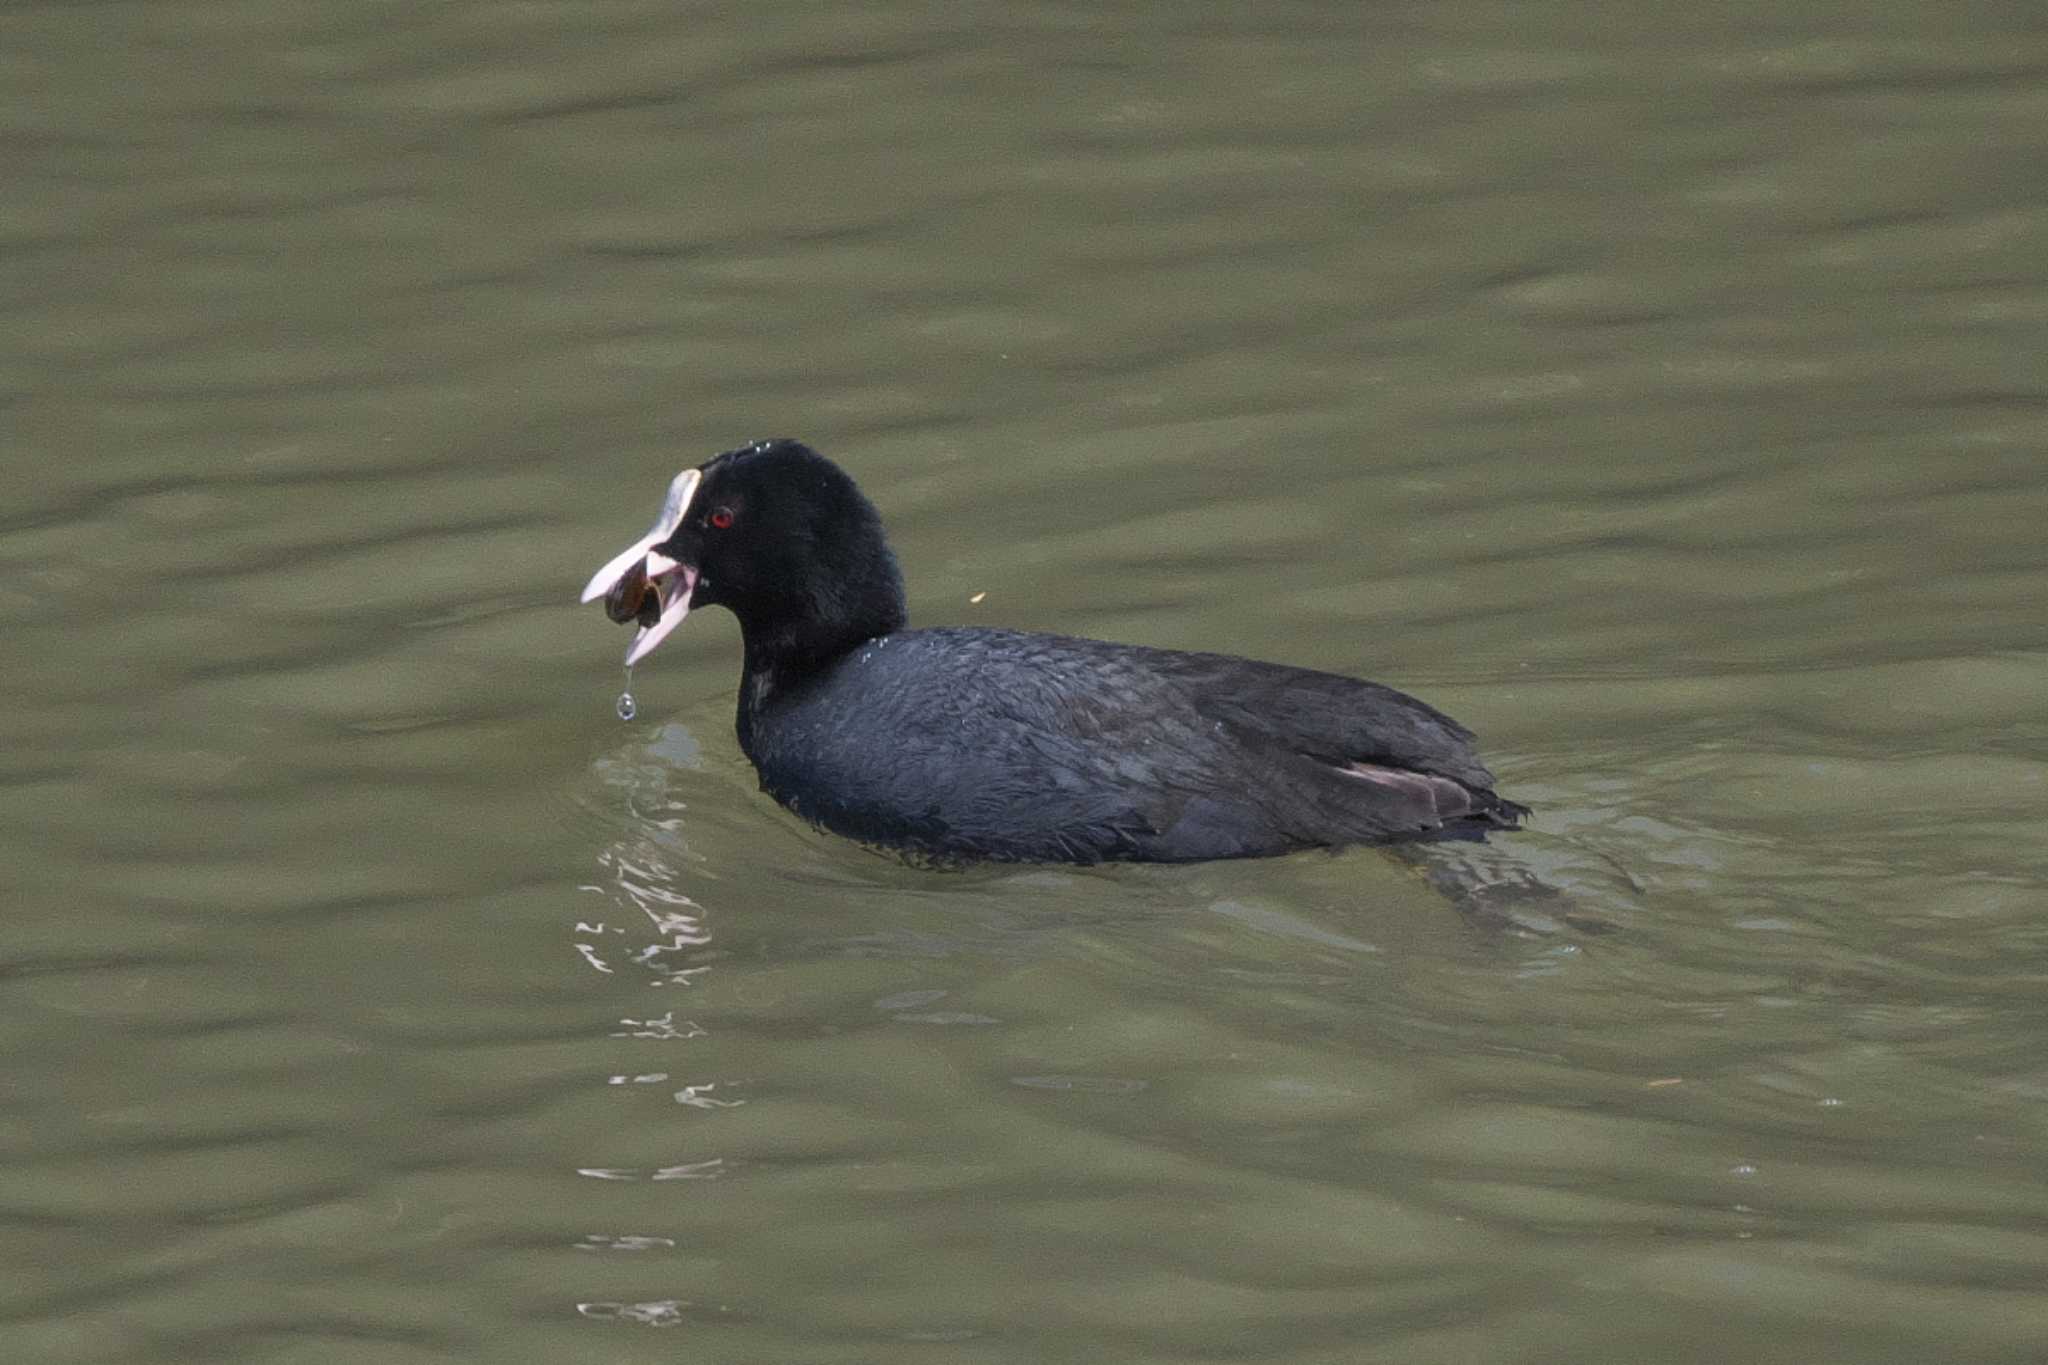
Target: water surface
x,y
1661,396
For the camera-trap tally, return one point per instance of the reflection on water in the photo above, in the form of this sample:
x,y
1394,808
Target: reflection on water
x,y
638,867
1663,399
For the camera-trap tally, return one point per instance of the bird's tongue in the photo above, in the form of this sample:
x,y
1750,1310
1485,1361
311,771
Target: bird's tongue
x,y
674,582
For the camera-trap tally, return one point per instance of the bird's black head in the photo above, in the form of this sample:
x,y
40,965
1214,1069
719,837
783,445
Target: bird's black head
x,y
777,534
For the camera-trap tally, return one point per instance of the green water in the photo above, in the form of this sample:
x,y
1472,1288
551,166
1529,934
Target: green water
x,y
1659,394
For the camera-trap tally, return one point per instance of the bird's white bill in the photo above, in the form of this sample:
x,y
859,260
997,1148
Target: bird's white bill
x,y
680,491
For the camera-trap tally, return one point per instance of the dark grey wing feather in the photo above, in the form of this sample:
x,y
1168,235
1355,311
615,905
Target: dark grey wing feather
x,y
1224,748
1336,719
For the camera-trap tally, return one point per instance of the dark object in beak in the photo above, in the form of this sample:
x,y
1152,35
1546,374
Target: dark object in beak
x,y
634,598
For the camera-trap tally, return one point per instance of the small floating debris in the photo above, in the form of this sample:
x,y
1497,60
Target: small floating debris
x,y
1093,1085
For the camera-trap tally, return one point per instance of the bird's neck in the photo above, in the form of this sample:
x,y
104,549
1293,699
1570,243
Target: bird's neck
x,y
783,651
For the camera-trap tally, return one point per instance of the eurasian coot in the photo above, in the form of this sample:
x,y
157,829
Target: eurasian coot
x,y
963,742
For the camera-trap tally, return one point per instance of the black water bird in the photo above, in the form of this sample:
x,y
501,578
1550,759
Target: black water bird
x,y
956,743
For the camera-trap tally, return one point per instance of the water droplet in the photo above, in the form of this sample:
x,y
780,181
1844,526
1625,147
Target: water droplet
x,y
626,708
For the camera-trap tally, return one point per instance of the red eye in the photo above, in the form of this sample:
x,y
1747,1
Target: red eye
x,y
721,517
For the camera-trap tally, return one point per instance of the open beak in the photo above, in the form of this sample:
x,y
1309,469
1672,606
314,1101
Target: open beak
x,y
641,583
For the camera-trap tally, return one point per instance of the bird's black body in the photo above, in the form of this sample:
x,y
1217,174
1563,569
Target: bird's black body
x,y
957,743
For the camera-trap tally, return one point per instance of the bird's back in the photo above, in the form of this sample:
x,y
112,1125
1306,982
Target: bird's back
x,y
963,742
